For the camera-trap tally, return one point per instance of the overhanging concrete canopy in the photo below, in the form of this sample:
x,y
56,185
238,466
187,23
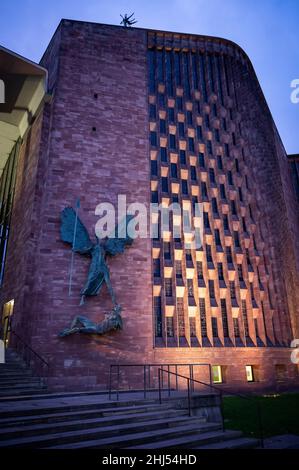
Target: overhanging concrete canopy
x,y
23,87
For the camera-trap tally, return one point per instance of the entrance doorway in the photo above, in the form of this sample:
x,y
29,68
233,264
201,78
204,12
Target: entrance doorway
x,y
6,321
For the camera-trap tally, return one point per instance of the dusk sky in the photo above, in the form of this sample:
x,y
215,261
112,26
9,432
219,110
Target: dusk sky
x,y
268,30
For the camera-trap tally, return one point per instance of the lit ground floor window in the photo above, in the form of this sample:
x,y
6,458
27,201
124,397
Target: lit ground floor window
x,y
250,374
217,374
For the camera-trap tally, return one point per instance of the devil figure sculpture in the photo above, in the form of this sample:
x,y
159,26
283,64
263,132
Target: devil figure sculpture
x,y
98,271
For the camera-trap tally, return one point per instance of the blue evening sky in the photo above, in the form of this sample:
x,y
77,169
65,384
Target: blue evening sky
x,y
268,30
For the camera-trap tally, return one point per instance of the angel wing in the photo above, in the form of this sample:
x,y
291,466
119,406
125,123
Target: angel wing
x,y
82,242
117,244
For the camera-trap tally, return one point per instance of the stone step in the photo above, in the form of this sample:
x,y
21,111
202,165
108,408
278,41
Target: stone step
x,y
113,413
14,385
101,392
20,389
191,441
6,382
91,422
11,366
142,437
107,408
12,358
16,374
239,443
9,359
21,392
115,436
54,396
48,421
16,393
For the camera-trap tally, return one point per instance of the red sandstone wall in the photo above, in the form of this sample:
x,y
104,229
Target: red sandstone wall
x,y
276,201
95,166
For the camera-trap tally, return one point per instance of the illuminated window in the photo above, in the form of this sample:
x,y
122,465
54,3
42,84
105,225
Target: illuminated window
x,y
249,373
217,374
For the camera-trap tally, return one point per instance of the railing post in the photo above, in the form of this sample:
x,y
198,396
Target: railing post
x,y
117,391
110,381
176,377
159,382
210,373
144,381
168,367
189,398
191,377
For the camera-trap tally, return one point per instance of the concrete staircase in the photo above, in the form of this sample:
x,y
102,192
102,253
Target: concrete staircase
x,y
92,421
17,379
32,418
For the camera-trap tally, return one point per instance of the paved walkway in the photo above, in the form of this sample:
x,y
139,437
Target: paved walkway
x,y
284,441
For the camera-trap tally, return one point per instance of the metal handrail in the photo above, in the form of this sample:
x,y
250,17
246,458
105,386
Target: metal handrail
x,y
221,391
27,352
38,356
147,372
189,379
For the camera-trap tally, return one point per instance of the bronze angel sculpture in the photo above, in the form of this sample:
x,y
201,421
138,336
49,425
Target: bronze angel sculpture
x,y
73,232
